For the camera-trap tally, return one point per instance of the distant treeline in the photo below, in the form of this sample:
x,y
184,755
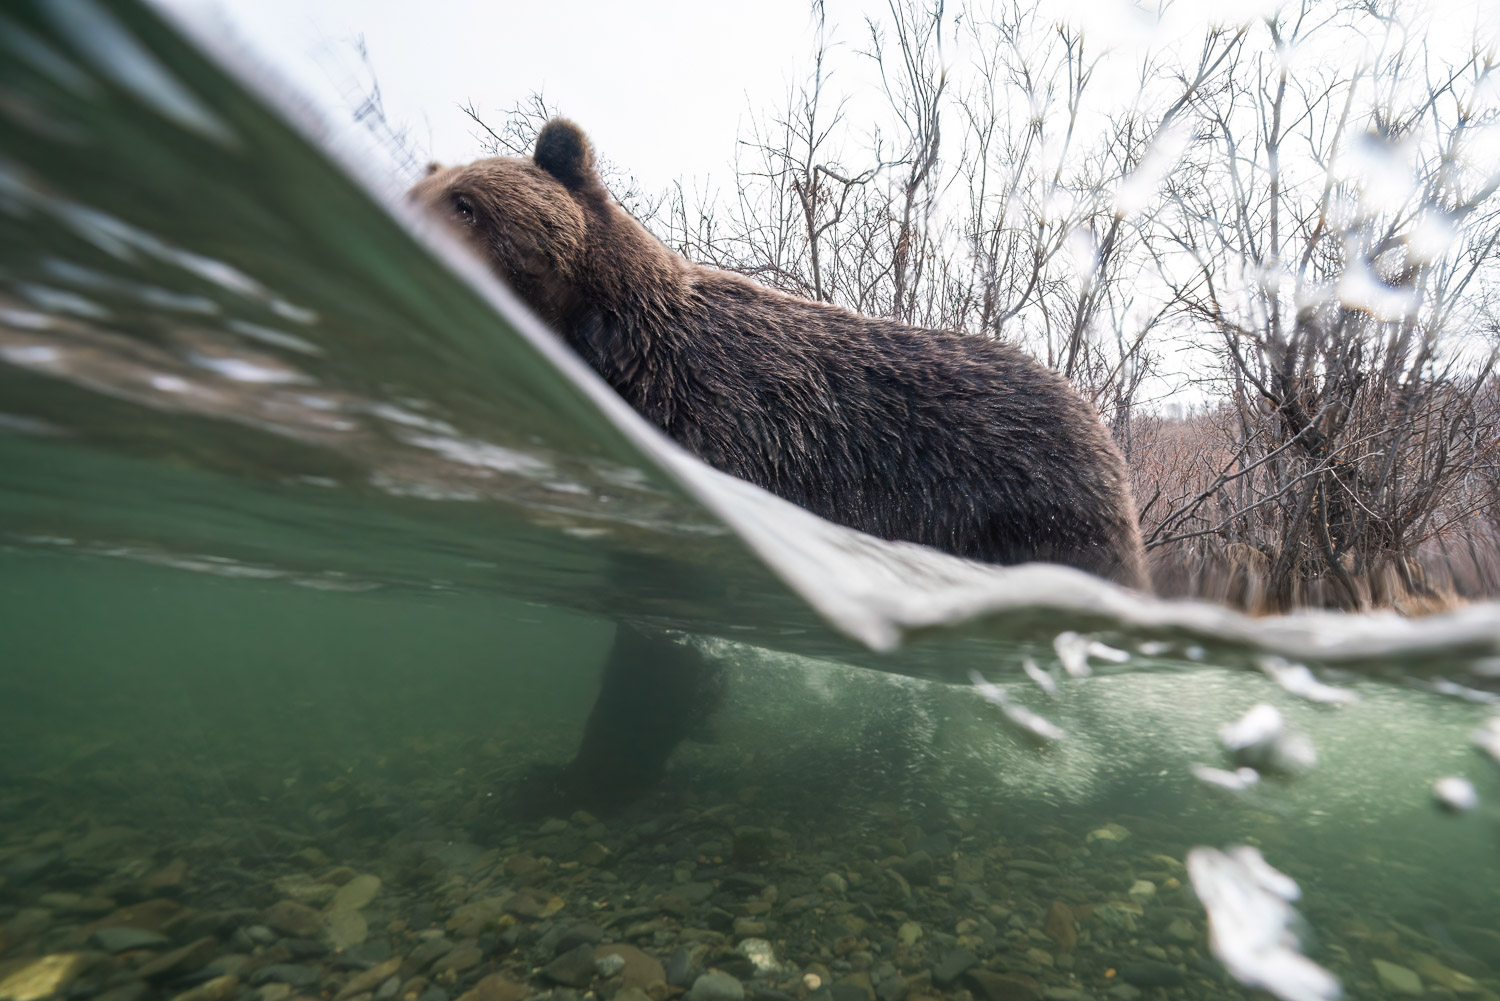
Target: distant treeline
x,y
1290,224
1230,519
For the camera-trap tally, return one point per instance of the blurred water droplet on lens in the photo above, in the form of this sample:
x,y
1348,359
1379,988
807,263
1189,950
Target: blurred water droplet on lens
x,y
1455,794
1250,921
1073,652
1034,726
1299,680
1044,681
1260,739
1236,781
1109,653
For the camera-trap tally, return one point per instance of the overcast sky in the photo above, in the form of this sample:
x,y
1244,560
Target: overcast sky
x,y
661,87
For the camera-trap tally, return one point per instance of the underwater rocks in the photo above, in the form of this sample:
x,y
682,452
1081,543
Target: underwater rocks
x,y
574,968
294,919
355,894
496,987
358,894
1060,927
953,966
639,970
44,977
124,939
1397,980
222,988
716,987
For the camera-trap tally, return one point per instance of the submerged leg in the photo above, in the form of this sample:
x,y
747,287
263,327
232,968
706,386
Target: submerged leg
x,y
653,694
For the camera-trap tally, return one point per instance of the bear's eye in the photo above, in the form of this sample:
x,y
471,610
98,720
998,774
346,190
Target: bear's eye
x,y
463,209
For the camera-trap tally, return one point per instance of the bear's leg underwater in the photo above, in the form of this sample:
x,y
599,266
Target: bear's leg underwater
x,y
654,692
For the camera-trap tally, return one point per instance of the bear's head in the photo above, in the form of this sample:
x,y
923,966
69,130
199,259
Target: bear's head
x,y
529,218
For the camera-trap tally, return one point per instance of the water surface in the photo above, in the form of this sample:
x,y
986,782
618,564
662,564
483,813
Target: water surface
x,y
312,541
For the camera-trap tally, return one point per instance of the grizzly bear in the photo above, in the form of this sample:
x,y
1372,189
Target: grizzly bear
x,y
960,442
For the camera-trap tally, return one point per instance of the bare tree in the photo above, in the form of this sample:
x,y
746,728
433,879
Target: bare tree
x,y
1329,235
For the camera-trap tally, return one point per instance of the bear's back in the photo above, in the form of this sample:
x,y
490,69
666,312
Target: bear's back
x,y
958,442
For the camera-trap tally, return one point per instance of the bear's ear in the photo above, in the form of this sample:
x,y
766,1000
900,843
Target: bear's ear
x,y
562,150
433,168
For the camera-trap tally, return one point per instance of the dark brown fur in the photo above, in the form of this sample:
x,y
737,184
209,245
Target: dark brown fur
x,y
961,443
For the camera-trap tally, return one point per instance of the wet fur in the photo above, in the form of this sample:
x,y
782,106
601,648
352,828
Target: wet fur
x,y
959,442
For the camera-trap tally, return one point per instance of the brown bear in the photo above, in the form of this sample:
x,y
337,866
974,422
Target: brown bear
x,y
960,442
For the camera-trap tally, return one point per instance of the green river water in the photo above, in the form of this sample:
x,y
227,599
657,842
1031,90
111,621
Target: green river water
x,y
312,542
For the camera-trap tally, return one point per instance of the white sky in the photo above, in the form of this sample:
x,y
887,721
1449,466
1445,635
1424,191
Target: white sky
x,y
661,87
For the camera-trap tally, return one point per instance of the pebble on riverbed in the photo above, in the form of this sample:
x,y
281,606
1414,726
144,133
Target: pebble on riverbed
x,y
714,986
